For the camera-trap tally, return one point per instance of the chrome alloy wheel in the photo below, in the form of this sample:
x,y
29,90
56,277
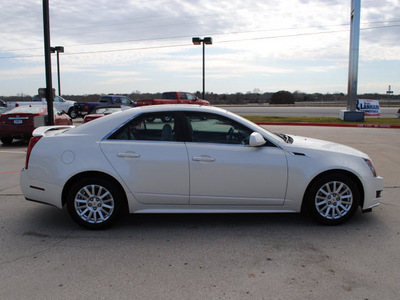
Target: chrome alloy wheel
x,y
94,204
334,200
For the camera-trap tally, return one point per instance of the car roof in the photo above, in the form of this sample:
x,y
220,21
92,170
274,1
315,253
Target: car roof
x,y
101,127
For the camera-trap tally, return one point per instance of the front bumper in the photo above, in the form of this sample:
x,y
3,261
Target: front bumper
x,y
373,193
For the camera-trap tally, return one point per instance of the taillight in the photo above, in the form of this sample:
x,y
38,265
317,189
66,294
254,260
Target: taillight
x,y
86,107
32,143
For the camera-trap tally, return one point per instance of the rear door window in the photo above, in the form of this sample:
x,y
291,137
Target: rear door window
x,y
149,127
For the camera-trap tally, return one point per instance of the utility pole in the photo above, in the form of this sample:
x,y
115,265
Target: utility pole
x,y
47,58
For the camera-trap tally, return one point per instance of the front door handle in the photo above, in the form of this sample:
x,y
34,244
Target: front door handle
x,y
129,154
203,158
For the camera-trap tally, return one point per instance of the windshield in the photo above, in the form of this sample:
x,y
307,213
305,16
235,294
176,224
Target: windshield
x,y
287,138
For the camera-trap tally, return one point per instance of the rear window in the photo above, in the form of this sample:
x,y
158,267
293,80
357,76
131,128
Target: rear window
x,y
106,99
168,96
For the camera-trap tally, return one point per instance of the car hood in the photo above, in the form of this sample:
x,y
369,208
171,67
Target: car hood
x,y
305,143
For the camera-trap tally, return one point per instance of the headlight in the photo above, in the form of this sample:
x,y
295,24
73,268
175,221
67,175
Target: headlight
x,y
371,166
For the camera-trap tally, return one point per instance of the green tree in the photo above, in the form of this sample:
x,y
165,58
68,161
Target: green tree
x,y
282,97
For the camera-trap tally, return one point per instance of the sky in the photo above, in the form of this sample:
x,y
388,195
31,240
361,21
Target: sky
x,y
145,46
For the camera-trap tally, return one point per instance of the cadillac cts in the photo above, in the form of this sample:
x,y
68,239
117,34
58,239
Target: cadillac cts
x,y
193,159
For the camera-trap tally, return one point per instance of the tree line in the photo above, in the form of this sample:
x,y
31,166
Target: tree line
x,y
255,97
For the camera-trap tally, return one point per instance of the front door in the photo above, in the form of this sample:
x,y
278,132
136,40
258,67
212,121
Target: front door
x,y
225,170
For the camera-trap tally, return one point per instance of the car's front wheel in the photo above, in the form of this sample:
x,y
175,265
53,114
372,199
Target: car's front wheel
x,y
72,113
94,203
332,199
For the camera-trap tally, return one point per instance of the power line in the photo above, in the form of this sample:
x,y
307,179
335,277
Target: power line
x,y
213,34
189,44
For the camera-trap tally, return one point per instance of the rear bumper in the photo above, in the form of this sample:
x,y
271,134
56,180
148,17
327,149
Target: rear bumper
x,y
39,191
16,130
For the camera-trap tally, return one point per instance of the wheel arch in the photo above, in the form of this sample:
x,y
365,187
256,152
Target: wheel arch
x,y
93,174
354,177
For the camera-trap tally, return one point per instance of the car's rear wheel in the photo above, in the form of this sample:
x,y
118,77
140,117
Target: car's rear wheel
x,y
6,140
332,199
94,203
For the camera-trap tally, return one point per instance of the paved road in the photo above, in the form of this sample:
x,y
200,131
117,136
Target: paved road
x,y
44,255
387,112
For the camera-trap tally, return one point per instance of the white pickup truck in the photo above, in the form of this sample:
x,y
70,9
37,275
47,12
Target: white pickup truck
x,y
59,103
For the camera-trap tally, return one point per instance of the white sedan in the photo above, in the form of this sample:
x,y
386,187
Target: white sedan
x,y
193,159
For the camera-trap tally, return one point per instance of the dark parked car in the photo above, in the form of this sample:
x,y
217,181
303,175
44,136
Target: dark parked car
x,y
87,108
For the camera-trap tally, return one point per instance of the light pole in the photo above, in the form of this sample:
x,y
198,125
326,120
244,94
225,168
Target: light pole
x,y
58,49
205,41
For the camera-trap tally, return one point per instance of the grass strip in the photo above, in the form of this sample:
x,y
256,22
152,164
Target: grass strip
x,y
329,120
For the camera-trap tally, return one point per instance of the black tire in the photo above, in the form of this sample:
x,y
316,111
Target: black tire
x,y
166,119
72,113
6,140
95,203
332,199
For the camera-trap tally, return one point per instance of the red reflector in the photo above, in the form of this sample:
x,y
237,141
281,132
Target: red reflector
x,y
32,143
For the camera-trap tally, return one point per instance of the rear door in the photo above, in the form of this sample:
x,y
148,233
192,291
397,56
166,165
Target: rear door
x,y
150,158
61,104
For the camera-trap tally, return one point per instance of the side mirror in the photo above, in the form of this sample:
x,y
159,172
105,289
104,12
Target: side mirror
x,y
256,140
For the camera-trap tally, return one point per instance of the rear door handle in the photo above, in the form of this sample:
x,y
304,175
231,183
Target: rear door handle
x,y
203,158
129,154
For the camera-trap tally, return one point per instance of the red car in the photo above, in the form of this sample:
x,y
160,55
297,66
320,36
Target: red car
x,y
21,121
103,110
